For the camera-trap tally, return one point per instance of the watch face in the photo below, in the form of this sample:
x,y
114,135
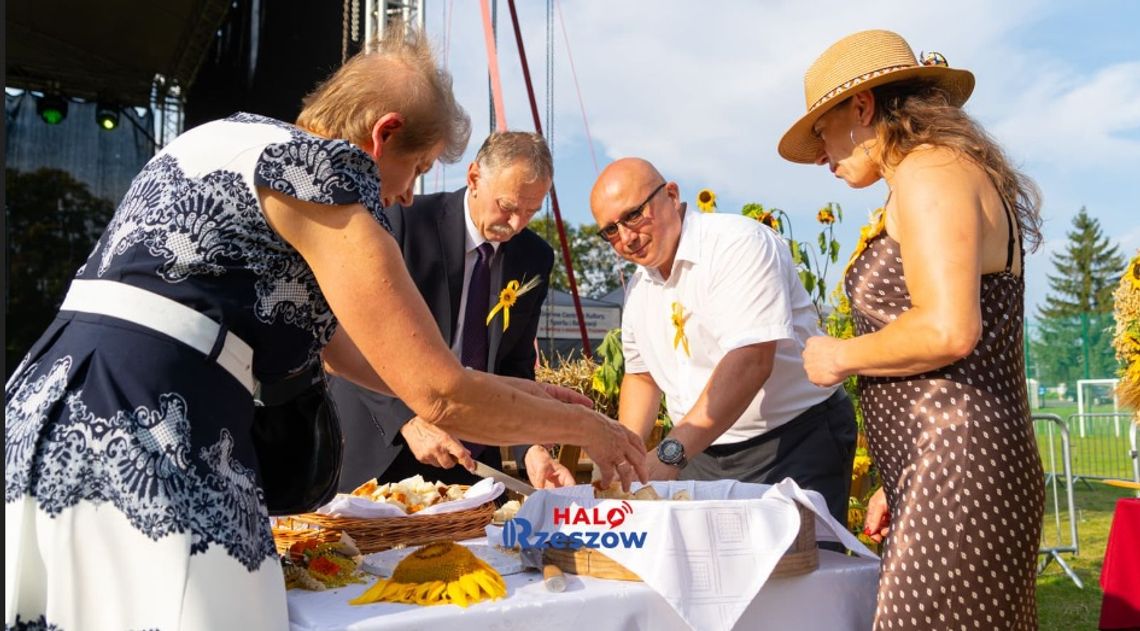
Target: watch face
x,y
670,451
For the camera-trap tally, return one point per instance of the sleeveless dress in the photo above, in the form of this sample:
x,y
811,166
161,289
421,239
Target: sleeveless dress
x,y
132,493
959,462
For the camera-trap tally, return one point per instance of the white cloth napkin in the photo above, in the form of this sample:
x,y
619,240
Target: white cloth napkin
x,y
345,505
707,557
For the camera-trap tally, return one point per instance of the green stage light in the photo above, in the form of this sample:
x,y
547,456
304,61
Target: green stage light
x,y
107,116
52,108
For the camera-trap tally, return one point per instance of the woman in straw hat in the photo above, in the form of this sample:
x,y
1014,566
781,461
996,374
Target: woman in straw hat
x,y
937,297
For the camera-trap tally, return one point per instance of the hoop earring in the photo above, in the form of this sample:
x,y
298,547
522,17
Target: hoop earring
x,y
854,144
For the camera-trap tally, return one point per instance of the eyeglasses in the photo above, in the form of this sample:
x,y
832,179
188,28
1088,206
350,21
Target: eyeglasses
x,y
630,218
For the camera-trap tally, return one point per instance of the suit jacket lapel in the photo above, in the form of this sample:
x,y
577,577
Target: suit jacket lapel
x,y
453,236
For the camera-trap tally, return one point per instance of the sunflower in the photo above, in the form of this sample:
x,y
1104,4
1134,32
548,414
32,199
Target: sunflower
x,y
1126,305
437,574
509,296
825,216
861,465
770,220
706,201
868,233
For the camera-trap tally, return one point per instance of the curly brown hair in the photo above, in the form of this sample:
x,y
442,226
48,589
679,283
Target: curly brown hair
x,y
913,113
396,74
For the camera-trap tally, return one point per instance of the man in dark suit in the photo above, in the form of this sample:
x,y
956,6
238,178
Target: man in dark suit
x,y
463,249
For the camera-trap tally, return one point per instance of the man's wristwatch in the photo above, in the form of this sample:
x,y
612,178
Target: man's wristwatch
x,y
671,452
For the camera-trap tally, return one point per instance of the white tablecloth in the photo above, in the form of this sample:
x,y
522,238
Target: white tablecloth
x,y
839,596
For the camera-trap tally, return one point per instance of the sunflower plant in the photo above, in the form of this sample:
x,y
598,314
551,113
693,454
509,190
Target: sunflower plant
x,y
813,262
811,259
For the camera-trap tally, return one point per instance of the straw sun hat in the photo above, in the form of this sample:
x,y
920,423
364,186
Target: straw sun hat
x,y
857,63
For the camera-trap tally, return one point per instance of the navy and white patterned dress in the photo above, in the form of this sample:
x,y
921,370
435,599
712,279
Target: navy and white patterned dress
x,y
132,493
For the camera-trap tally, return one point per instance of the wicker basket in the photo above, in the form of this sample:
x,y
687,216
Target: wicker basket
x,y
374,535
802,556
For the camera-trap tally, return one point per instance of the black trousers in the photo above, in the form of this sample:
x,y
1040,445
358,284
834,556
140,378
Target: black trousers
x,y
816,449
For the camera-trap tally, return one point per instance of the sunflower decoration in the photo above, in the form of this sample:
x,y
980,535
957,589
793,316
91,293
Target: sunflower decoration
x,y
825,216
439,573
508,297
867,234
1126,301
706,201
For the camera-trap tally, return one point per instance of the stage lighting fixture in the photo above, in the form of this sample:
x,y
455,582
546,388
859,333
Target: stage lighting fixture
x,y
107,116
52,108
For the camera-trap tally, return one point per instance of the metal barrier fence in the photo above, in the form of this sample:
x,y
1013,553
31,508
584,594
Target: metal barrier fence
x,y
1101,446
1052,433
1134,453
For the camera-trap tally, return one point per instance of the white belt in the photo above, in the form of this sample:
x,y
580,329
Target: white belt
x,y
158,313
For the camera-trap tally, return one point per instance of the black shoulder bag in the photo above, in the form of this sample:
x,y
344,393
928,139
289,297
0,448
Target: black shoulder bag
x,y
296,433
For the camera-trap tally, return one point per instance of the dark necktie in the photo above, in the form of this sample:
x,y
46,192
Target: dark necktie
x,y
473,347
473,351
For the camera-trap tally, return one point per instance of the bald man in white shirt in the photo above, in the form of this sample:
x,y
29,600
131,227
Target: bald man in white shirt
x,y
716,319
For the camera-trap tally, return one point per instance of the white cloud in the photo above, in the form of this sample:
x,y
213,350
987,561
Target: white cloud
x,y
1074,121
705,90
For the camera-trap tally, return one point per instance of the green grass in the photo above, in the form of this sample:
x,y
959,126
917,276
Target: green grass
x,y
1061,606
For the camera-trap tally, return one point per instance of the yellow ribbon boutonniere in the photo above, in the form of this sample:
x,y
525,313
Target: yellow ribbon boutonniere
x,y
679,319
507,298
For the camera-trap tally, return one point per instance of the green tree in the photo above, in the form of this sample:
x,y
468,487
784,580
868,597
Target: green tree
x,y
1074,334
53,222
598,270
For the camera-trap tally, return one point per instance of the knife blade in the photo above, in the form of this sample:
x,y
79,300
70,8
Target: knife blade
x,y
513,484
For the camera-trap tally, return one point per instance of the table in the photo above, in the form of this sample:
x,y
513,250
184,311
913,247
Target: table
x,y
838,596
1120,575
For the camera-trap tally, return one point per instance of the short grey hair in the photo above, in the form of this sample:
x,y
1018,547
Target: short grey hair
x,y
504,148
398,73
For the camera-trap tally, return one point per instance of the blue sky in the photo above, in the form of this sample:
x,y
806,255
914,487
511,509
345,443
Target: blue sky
x,y
705,90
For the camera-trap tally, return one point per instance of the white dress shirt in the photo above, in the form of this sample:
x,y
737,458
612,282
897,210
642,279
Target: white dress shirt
x,y
472,241
736,283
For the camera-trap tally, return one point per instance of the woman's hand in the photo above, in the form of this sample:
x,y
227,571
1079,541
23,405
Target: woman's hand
x,y
548,390
878,521
566,395
433,446
546,472
615,449
819,361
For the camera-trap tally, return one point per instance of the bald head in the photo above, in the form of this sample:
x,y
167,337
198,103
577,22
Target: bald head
x,y
638,212
621,179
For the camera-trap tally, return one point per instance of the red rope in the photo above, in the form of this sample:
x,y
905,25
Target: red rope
x,y
574,74
586,123
553,195
493,67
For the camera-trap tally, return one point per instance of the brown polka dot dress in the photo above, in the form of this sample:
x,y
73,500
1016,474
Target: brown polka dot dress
x,y
959,463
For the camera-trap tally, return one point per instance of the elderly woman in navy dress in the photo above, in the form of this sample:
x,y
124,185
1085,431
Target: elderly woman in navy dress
x,y
247,250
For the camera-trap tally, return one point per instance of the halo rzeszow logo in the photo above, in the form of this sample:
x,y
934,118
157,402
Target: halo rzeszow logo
x,y
520,532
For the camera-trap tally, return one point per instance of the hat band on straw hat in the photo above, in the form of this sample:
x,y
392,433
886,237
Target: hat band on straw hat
x,y
840,89
862,61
